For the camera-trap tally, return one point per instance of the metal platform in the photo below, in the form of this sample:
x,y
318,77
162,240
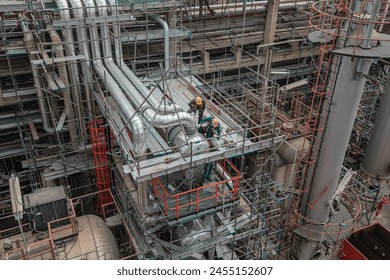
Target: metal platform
x,y
338,228
374,52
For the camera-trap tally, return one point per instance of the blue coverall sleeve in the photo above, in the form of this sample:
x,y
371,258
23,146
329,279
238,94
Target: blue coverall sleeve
x,y
205,120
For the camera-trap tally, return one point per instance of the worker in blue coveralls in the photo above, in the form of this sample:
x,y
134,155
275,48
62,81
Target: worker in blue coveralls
x,y
197,105
209,126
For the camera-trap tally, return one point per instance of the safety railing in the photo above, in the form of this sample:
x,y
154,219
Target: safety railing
x,y
63,232
334,231
211,194
44,249
160,192
39,250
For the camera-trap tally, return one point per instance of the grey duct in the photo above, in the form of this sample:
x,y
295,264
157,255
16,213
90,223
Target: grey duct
x,y
136,124
29,40
291,149
192,233
59,52
166,43
376,162
68,34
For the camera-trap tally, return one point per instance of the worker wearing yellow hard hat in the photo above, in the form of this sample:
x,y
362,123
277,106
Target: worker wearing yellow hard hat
x,y
197,105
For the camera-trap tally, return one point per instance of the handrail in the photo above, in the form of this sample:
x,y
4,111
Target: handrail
x,y
161,193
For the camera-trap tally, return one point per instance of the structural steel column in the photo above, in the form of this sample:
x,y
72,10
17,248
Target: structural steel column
x,y
269,33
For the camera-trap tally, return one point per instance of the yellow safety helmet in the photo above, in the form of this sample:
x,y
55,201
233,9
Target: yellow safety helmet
x,y
215,122
198,100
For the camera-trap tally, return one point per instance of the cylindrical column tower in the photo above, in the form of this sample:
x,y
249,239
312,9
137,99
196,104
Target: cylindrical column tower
x,y
376,162
348,46
347,93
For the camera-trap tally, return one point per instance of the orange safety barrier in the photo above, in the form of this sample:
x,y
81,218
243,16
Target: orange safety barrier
x,y
183,199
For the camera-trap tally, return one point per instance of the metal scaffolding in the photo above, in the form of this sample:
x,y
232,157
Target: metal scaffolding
x,y
166,190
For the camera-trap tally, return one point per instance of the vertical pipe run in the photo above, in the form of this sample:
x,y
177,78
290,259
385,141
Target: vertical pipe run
x,y
74,73
166,43
85,68
131,117
59,52
29,41
370,27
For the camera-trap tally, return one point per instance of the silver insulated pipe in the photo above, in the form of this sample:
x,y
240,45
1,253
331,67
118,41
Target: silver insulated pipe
x,y
29,41
164,107
166,43
131,117
74,72
152,115
84,50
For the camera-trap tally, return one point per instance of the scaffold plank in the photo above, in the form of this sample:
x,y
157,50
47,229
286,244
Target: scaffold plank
x,y
160,166
33,129
59,59
92,20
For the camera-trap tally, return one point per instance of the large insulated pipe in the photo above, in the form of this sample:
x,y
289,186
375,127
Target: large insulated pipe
x,y
85,64
59,53
29,40
166,43
74,72
164,121
376,162
187,144
135,121
132,93
150,114
145,92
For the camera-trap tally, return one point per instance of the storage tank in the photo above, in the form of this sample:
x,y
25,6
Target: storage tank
x,y
94,241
